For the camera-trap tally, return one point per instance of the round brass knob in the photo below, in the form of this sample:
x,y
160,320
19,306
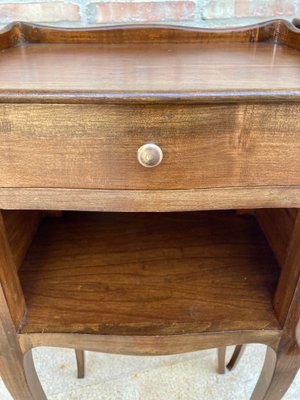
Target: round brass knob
x,y
149,155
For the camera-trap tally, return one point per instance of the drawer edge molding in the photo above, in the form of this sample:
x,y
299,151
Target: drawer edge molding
x,y
150,200
181,97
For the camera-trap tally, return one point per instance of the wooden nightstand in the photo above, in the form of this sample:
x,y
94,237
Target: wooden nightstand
x,y
149,138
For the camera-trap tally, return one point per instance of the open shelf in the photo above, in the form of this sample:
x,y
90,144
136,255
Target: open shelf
x,y
148,274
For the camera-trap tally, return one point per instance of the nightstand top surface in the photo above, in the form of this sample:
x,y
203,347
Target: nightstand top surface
x,y
149,63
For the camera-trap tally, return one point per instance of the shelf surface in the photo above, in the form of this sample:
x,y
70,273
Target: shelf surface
x,y
149,63
149,68
149,274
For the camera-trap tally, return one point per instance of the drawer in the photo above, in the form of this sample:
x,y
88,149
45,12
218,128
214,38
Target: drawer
x,y
95,145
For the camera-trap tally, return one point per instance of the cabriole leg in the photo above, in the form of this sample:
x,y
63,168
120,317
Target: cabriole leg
x,y
80,363
221,360
236,356
279,371
16,369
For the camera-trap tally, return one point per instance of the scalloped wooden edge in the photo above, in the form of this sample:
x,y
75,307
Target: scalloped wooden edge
x,y
278,30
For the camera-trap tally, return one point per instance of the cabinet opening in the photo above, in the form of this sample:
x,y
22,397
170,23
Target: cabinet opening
x,y
145,273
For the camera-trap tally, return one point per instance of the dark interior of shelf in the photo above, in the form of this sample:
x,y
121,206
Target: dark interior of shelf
x,y
149,273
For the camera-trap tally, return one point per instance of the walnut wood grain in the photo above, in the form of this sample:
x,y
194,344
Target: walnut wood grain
x,y
20,227
255,61
16,369
99,68
75,105
149,200
149,274
93,146
9,278
279,371
289,276
276,30
277,225
282,365
149,345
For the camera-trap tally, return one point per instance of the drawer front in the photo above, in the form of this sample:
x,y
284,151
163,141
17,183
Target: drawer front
x,y
95,146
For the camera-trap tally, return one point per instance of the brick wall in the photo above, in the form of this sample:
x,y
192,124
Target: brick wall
x,y
204,13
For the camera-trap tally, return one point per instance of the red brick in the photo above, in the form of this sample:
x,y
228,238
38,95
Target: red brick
x,y
219,9
121,12
39,12
271,8
242,8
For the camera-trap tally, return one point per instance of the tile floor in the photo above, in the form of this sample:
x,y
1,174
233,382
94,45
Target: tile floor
x,y
190,376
